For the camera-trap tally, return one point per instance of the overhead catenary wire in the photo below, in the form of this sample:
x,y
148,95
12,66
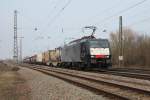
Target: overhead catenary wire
x,y
122,11
31,20
141,21
51,11
138,14
33,27
57,15
105,10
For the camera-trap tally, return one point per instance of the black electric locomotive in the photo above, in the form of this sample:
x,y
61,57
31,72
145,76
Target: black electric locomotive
x,y
87,52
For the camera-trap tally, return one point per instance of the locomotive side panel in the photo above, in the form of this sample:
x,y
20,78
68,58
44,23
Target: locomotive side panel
x,y
71,53
64,55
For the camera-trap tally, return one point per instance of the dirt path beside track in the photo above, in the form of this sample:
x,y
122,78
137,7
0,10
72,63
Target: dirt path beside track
x,y
12,85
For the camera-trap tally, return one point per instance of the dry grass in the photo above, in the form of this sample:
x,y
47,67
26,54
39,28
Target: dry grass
x,y
15,68
4,67
12,87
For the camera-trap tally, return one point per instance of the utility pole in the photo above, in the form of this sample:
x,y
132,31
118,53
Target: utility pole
x,y
20,54
120,43
15,56
20,49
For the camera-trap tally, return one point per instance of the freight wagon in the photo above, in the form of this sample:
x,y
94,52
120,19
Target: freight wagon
x,y
31,59
51,57
39,58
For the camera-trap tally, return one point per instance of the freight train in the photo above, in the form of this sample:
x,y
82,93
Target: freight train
x,y
82,53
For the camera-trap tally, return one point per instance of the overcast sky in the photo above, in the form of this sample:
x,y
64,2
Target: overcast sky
x,y
57,21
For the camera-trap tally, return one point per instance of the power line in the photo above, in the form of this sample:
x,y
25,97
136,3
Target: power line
x,y
27,18
139,13
124,10
31,20
58,14
54,8
105,10
141,21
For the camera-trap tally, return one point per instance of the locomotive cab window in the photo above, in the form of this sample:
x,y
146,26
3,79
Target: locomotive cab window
x,y
99,43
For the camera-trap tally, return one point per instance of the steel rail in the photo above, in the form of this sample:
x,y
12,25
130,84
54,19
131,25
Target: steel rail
x,y
123,93
127,74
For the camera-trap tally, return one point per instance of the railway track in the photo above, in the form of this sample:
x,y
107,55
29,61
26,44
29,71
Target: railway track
x,y
121,89
139,74
132,69
132,73
135,70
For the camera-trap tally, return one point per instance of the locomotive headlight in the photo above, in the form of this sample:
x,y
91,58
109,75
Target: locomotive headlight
x,y
107,56
92,56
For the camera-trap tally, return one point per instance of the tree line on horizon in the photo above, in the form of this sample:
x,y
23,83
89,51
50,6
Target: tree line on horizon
x,y
136,48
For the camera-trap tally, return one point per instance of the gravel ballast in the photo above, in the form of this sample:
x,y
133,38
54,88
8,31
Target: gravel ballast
x,y
44,87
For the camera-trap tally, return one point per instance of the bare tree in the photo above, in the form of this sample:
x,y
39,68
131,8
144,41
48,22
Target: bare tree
x,y
136,48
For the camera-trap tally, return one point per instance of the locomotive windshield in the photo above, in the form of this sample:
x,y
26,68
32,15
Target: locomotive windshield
x,y
99,43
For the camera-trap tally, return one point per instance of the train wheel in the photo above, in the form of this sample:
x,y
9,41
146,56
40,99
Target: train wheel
x,y
82,66
58,65
88,65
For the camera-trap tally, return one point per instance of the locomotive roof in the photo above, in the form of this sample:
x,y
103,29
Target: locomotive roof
x,y
83,38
